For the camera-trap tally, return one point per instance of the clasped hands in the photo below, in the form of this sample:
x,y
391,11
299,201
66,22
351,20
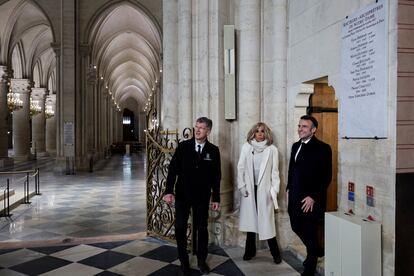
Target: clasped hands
x,y
169,199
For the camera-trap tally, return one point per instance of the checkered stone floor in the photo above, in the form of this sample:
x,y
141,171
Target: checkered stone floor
x,y
139,257
103,206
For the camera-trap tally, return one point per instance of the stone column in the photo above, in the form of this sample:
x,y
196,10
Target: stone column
x,y
103,137
88,76
97,119
184,63
250,65
66,101
118,124
200,57
39,123
4,114
141,123
110,122
274,105
169,112
21,126
51,126
275,112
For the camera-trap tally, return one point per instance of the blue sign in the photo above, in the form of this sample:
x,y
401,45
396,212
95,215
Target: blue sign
x,y
351,196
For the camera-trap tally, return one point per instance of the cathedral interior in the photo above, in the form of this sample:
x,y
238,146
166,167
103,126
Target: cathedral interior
x,y
95,96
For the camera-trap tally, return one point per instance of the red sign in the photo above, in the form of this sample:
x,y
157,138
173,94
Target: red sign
x,y
351,187
370,191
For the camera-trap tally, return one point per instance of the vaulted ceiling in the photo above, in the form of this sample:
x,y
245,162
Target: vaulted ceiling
x,y
25,46
126,49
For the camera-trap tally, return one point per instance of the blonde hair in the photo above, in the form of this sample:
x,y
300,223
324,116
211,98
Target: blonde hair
x,y
267,132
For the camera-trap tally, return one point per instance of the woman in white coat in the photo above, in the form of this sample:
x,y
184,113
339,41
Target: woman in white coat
x,y
258,183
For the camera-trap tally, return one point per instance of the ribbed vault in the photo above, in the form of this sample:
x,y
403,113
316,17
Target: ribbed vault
x,y
26,38
126,48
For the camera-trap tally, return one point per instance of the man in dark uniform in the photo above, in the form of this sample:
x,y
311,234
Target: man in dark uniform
x,y
195,171
310,172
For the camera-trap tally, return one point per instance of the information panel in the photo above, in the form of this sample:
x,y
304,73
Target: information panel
x,y
68,134
363,97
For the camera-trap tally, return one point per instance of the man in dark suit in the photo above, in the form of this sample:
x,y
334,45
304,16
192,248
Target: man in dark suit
x,y
195,171
310,172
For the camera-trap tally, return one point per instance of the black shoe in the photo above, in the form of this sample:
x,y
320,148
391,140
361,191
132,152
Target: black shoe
x,y
204,269
185,270
277,259
248,257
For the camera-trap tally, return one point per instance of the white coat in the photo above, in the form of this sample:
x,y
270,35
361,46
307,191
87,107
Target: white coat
x,y
261,221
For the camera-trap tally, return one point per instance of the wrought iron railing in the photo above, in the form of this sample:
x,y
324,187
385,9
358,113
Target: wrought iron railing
x,y
160,147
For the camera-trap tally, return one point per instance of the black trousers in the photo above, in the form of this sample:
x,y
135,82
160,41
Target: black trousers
x,y
250,249
305,225
200,219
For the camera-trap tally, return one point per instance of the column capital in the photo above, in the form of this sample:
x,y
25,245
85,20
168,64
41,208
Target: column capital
x,y
38,93
4,73
51,98
21,86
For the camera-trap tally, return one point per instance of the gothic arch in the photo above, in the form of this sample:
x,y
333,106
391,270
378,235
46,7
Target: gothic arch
x,y
19,16
125,48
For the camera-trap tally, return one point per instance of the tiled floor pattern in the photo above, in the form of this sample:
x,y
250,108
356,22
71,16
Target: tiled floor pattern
x,y
110,202
138,257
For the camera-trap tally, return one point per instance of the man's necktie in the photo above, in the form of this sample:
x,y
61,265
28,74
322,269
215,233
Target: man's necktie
x,y
299,149
198,155
199,150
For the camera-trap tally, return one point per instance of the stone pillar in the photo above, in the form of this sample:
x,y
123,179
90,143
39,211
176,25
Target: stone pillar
x,y
39,123
97,119
110,122
88,76
275,113
66,95
141,126
4,114
250,65
185,113
21,126
103,137
200,56
51,126
274,106
58,109
169,112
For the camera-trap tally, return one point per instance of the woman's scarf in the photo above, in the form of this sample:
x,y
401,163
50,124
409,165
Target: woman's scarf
x,y
258,146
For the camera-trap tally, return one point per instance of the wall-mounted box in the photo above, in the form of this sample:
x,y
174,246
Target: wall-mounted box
x,y
352,246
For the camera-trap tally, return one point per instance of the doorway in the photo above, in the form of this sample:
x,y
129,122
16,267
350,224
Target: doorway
x,y
128,128
324,107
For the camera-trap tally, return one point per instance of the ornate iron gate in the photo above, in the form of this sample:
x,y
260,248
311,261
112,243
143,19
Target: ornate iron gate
x,y
160,146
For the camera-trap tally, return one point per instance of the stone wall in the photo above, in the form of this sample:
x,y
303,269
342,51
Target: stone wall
x,y
314,49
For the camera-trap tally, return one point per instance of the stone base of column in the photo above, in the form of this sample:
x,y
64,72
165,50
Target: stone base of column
x,y
64,166
51,153
6,162
230,231
43,154
84,163
20,158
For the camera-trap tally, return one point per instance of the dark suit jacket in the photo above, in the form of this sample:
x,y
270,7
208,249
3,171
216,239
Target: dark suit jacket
x,y
195,179
310,174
